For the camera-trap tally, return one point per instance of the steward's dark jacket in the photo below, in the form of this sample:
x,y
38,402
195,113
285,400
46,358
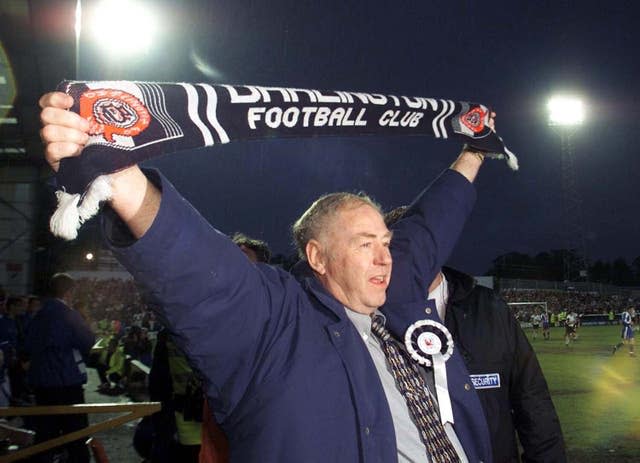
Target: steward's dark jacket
x,y
505,371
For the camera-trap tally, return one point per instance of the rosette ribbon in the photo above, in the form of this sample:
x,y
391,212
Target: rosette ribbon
x,y
430,343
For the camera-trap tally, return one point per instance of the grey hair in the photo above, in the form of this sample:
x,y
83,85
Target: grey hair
x,y
315,219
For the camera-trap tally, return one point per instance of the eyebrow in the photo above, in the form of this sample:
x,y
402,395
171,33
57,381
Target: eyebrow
x,y
389,235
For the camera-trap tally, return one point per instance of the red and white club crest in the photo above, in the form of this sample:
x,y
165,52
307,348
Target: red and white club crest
x,y
429,343
474,119
112,112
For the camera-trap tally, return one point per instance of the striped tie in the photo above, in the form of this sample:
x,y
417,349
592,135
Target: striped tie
x,y
419,401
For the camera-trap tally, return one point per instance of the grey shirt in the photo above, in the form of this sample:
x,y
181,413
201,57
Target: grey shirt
x,y
410,446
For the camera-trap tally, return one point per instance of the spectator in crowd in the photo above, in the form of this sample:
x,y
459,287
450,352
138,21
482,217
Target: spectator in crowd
x,y
111,366
5,335
137,345
9,336
9,332
103,326
57,343
256,250
502,364
33,305
5,385
187,404
16,308
117,372
163,424
178,387
20,391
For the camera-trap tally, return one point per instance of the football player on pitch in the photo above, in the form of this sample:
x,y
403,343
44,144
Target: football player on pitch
x,y
628,336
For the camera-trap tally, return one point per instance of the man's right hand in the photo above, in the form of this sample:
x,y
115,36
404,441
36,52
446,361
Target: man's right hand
x,y
65,134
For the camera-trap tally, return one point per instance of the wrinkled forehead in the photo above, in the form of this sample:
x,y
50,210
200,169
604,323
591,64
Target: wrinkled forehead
x,y
355,217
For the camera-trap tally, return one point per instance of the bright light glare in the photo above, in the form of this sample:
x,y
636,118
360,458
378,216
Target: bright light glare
x,y
89,256
565,110
123,26
78,24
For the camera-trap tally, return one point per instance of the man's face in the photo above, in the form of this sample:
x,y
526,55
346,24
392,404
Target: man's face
x,y
250,253
356,258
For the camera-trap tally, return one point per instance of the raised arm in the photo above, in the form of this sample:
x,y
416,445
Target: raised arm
x,y
426,235
65,133
468,164
424,239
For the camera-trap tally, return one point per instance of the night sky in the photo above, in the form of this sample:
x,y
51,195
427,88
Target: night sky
x,y
508,55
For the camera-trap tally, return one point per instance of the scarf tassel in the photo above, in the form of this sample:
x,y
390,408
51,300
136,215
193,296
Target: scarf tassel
x,y
74,210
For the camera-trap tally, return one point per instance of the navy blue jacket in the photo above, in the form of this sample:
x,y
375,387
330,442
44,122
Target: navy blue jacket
x,y
57,341
415,265
286,373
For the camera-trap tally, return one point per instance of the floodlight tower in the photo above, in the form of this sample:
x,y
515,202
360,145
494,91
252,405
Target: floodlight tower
x,y
566,115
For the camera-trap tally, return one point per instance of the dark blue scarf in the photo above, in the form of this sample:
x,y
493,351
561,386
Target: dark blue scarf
x,y
134,121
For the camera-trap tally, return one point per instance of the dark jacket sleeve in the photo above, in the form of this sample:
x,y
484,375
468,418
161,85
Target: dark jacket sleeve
x,y
424,239
82,337
222,310
534,415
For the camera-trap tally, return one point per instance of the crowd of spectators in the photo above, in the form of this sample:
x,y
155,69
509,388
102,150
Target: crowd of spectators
x,y
114,309
582,303
105,301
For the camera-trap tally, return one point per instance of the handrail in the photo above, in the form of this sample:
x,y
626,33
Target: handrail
x,y
133,411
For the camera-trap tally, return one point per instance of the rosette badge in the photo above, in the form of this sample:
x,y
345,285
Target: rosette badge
x,y
427,339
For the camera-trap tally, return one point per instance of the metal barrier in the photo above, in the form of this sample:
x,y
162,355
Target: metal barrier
x,y
133,410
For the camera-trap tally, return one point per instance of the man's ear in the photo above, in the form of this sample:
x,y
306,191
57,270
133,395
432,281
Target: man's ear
x,y
316,256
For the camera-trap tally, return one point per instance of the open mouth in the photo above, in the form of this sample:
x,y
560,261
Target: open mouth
x,y
379,280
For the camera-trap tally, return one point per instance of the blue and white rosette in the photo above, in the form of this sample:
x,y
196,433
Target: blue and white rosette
x,y
430,343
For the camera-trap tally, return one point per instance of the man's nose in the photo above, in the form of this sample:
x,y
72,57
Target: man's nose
x,y
383,255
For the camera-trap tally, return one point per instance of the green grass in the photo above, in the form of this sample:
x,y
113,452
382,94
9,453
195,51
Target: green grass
x,y
596,394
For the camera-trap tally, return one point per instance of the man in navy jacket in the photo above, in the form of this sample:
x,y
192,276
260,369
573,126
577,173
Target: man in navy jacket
x,y
57,343
286,372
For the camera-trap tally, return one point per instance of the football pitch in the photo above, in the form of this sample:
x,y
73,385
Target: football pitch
x,y
596,394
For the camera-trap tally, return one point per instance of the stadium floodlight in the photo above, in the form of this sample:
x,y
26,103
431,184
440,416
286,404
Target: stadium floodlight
x,y
122,27
565,111
566,115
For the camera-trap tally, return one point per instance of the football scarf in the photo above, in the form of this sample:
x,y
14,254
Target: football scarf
x,y
134,121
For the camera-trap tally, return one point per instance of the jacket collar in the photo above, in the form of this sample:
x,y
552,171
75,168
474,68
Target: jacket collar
x,y
313,285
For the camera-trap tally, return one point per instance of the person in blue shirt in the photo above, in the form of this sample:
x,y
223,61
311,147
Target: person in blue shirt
x,y
627,335
58,342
